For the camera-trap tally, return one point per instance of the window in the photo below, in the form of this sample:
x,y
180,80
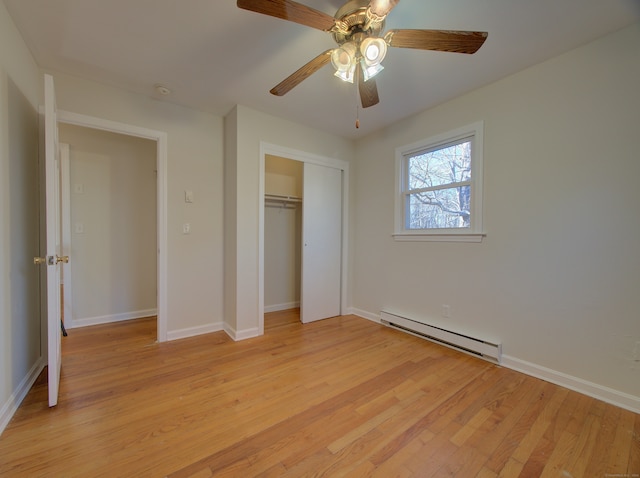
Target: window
x,y
439,196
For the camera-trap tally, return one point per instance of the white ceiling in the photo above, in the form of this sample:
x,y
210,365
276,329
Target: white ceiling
x,y
213,55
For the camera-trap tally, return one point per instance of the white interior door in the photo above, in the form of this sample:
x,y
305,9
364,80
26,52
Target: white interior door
x,y
53,240
321,243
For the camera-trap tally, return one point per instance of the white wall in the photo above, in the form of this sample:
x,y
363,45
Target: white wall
x,y
556,278
195,153
20,90
249,129
113,226
282,235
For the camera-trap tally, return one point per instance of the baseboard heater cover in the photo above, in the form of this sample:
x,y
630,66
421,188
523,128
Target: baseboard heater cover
x,y
471,345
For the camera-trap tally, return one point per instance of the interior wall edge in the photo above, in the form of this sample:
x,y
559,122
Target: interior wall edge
x,y
243,334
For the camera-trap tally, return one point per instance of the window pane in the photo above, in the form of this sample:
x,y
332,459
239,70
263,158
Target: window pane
x,y
451,164
443,208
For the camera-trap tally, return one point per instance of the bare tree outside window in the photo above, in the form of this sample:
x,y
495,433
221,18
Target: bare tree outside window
x,y
439,187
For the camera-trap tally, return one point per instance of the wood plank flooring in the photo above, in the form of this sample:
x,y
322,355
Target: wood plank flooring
x,y
339,397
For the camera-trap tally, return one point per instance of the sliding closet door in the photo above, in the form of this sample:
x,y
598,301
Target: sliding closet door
x,y
321,242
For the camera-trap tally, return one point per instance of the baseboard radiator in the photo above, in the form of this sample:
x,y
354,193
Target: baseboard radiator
x,y
471,345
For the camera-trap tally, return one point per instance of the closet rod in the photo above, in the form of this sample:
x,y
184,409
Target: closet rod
x,y
281,205
275,198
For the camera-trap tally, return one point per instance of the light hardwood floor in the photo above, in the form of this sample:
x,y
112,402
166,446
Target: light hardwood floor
x,y
339,397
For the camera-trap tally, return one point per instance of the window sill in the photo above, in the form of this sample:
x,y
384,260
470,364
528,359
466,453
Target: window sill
x,y
435,237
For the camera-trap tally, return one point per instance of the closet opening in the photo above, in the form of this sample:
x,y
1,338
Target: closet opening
x,y
303,240
282,234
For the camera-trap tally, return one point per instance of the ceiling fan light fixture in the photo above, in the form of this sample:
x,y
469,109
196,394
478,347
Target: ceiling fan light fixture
x,y
344,56
343,60
370,71
373,50
346,75
379,9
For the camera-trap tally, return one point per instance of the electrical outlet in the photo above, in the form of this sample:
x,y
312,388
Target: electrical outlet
x,y
186,228
446,311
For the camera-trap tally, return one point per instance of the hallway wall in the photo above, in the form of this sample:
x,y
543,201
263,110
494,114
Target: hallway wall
x,y
113,226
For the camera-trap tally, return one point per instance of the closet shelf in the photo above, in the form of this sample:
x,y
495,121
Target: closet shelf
x,y
275,200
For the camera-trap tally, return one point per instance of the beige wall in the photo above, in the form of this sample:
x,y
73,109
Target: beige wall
x,y
556,278
20,337
113,230
195,150
252,129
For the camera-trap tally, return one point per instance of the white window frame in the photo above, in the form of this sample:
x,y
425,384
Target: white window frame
x,y
474,233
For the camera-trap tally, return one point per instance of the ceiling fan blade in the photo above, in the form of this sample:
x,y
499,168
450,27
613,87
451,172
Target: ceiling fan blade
x,y
302,74
368,91
290,10
438,40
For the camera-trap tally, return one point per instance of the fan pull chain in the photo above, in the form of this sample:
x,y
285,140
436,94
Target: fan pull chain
x,y
357,103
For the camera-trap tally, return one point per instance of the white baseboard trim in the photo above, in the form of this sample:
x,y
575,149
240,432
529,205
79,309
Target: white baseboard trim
x,y
364,314
600,392
193,331
279,307
606,394
242,334
11,406
106,319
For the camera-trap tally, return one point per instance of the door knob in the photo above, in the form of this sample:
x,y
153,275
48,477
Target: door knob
x,y
60,259
50,261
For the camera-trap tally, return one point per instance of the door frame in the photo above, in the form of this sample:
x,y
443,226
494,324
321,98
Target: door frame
x,y
65,224
160,137
304,157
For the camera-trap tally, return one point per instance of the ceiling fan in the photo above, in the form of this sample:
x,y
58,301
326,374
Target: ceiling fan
x,y
357,28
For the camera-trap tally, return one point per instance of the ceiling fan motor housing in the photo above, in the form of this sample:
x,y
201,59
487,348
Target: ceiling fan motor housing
x,y
353,23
